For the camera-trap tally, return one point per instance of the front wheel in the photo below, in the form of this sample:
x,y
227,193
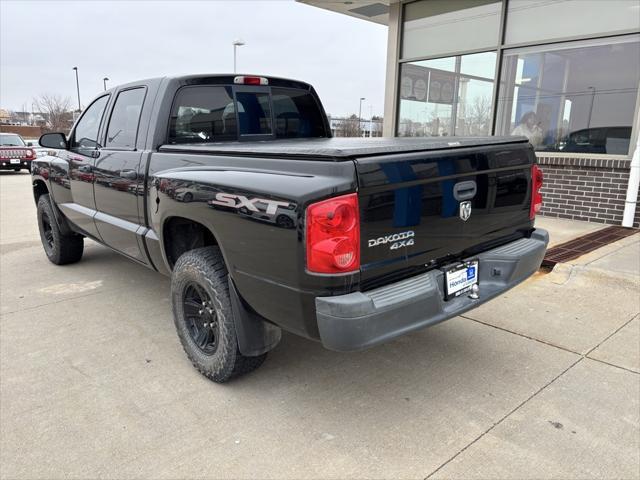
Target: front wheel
x,y
60,249
203,316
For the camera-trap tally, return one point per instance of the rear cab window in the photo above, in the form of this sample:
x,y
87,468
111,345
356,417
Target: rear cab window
x,y
296,114
218,113
254,113
203,114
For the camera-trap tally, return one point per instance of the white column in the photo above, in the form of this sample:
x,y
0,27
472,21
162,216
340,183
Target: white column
x,y
391,80
634,182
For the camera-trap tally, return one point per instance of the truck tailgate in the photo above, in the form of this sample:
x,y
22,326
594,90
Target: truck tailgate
x,y
425,209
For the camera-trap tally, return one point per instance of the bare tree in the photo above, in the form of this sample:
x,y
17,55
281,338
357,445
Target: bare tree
x,y
349,127
481,115
56,111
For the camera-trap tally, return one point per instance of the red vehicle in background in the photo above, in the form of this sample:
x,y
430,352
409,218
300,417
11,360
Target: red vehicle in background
x,y
15,154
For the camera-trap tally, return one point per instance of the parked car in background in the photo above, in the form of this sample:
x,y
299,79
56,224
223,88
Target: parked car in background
x,y
605,140
15,154
34,143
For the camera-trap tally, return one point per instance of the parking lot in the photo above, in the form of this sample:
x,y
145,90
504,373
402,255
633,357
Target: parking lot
x,y
543,382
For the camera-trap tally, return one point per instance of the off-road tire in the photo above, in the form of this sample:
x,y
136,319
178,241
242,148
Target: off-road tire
x,y
60,249
205,268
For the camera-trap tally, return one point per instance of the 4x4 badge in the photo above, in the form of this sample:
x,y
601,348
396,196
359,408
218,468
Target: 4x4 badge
x,y
465,210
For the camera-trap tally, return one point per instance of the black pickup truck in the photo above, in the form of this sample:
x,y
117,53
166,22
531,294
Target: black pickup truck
x,y
233,186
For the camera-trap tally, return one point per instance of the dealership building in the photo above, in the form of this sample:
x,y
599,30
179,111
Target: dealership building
x,y
564,73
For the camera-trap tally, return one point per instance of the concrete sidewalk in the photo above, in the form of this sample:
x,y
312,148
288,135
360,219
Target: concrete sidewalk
x,y
561,230
543,382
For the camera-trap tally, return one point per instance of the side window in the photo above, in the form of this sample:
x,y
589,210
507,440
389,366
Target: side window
x,y
123,124
203,114
85,134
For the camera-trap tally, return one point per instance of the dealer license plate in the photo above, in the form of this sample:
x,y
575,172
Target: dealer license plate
x,y
14,160
458,280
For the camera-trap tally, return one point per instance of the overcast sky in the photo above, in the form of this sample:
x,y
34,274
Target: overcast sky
x,y
40,43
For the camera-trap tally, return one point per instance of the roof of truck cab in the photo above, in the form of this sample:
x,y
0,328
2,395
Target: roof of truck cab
x,y
204,76
200,78
339,147
230,75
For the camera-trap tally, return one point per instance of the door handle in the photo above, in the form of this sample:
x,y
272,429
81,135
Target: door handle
x,y
129,174
465,190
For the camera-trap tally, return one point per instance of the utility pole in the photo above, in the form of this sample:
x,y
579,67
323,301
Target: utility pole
x,y
360,115
236,43
78,88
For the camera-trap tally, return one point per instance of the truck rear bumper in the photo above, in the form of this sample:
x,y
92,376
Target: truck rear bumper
x,y
364,319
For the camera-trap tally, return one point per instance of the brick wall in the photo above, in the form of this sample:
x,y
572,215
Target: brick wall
x,y
24,131
588,189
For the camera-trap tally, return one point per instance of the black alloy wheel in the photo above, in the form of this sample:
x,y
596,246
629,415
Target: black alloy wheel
x,y
61,247
201,317
204,318
47,232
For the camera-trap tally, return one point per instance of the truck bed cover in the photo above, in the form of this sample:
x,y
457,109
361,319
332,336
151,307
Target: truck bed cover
x,y
338,147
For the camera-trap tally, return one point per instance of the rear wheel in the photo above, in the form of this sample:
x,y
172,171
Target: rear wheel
x,y
203,317
60,249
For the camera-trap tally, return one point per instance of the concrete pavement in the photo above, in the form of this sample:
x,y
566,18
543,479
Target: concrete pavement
x,y
565,230
541,383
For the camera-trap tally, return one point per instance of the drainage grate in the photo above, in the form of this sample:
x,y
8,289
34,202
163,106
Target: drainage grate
x,y
585,244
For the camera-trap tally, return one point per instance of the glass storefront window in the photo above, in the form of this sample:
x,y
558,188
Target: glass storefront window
x,y
447,96
534,20
573,97
436,27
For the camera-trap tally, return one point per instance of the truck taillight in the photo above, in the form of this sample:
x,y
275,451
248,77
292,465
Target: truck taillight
x,y
536,195
333,235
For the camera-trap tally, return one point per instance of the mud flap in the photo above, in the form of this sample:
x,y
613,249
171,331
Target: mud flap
x,y
61,220
255,335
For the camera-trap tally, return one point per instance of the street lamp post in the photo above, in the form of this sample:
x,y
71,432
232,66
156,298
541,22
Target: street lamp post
x,y
593,96
78,88
370,120
360,115
104,82
236,43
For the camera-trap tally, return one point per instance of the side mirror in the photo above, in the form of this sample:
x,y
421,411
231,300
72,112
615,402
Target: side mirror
x,y
29,144
53,140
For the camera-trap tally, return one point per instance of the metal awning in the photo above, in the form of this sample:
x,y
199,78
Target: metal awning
x,y
372,10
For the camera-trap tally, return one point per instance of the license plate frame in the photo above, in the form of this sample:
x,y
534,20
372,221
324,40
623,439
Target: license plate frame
x,y
464,276
14,161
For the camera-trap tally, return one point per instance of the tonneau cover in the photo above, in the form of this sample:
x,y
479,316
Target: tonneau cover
x,y
338,147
